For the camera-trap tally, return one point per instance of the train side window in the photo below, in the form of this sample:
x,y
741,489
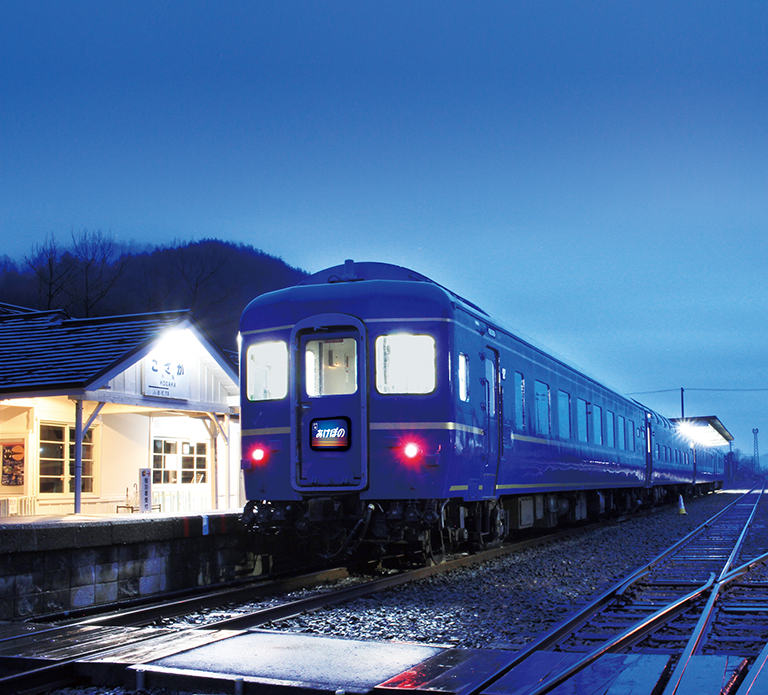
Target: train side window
x,y
564,414
406,364
266,375
658,453
597,424
519,402
622,432
542,407
581,420
631,433
331,367
609,429
463,377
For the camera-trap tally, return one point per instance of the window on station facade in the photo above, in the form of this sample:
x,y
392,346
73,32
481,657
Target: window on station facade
x,y
564,414
57,459
176,462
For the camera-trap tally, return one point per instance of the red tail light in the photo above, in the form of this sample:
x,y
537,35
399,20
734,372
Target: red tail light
x,y
259,455
412,451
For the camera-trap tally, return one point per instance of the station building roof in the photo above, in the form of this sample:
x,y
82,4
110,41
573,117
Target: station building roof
x,y
46,353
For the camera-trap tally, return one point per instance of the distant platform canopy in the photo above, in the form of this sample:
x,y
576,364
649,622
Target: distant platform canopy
x,y
705,430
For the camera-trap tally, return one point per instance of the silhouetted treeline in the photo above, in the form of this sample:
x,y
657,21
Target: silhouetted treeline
x,y
93,276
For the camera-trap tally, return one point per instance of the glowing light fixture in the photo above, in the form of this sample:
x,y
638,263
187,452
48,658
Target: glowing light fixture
x,y
703,432
259,455
411,450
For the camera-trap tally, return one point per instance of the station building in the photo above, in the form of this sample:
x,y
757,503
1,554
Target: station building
x,y
115,415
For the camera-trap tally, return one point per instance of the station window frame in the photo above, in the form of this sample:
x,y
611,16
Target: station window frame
x,y
57,459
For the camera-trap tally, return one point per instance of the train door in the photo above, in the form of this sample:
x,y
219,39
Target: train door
x,y
329,425
492,408
648,450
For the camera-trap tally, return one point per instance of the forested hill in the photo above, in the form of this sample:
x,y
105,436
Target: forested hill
x,y
93,277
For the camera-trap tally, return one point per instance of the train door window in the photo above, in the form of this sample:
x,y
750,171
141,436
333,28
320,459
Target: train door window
x,y
581,420
266,371
519,402
406,364
622,433
542,407
490,377
597,424
463,377
331,366
631,434
564,414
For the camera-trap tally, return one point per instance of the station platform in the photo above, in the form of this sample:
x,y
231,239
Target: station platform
x,y
54,565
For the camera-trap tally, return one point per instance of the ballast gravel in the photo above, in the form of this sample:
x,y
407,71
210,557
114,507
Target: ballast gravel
x,y
507,602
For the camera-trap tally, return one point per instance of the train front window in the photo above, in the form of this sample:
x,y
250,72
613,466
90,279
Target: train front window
x,y
267,371
331,367
406,364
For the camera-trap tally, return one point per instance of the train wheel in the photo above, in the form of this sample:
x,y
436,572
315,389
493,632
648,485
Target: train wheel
x,y
435,546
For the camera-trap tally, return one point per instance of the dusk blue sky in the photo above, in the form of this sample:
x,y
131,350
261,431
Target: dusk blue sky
x,y
593,173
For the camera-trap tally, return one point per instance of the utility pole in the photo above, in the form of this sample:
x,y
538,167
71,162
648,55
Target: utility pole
x,y
757,453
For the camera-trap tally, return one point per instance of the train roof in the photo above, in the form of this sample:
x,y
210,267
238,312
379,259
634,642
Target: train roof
x,y
352,271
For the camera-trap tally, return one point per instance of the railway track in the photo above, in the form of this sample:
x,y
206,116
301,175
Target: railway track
x,y
35,657
706,596
40,657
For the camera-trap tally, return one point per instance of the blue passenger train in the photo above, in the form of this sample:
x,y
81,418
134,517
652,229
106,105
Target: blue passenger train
x,y
383,415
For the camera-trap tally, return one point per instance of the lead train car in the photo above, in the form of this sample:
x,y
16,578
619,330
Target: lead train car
x,y
383,415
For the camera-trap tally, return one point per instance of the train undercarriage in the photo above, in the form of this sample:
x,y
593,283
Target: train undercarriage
x,y
396,533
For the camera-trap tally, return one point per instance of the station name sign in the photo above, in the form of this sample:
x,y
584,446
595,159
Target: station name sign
x,y
166,376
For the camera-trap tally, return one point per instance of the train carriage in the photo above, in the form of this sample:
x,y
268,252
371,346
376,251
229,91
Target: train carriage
x,y
384,415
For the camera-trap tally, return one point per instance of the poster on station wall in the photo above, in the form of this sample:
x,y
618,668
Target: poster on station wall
x,y
13,463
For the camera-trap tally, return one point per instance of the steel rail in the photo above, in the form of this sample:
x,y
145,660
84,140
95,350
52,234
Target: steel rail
x,y
665,614
696,639
578,619
62,673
